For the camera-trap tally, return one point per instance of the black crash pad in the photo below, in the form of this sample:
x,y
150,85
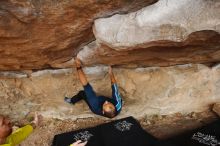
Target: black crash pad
x,y
123,132
208,135
126,132
91,135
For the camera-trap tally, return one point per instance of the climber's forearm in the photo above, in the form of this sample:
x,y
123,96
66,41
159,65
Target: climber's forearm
x,y
82,76
112,77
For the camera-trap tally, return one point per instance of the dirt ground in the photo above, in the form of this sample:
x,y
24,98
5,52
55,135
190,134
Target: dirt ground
x,y
161,127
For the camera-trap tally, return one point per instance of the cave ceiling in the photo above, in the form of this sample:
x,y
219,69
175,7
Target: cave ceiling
x,y
48,34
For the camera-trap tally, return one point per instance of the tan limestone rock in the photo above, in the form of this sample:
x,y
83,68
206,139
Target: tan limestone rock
x,y
145,91
165,33
39,34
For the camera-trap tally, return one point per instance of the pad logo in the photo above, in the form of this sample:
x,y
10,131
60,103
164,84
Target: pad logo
x,y
83,136
123,126
206,139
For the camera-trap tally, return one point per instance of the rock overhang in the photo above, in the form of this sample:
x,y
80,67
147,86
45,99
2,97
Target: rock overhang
x,y
42,34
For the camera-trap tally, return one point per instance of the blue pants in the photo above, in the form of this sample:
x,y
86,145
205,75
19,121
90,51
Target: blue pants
x,y
88,92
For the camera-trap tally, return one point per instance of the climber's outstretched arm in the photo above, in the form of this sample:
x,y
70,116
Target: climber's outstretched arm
x,y
112,77
81,74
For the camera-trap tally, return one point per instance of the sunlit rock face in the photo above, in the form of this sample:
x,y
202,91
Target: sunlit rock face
x,y
165,33
42,34
145,91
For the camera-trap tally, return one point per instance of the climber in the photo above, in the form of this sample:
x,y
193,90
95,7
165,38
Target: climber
x,y
100,105
9,137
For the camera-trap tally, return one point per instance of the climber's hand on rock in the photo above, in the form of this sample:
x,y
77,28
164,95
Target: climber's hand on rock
x,y
78,62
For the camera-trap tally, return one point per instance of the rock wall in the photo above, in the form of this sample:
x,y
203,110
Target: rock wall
x,y
166,33
37,34
48,34
148,47
145,91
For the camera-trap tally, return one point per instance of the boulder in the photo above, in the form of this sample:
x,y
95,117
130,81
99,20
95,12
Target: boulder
x,y
165,33
37,34
145,91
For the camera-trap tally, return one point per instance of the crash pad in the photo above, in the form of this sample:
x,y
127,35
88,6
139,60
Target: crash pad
x,y
208,135
123,132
